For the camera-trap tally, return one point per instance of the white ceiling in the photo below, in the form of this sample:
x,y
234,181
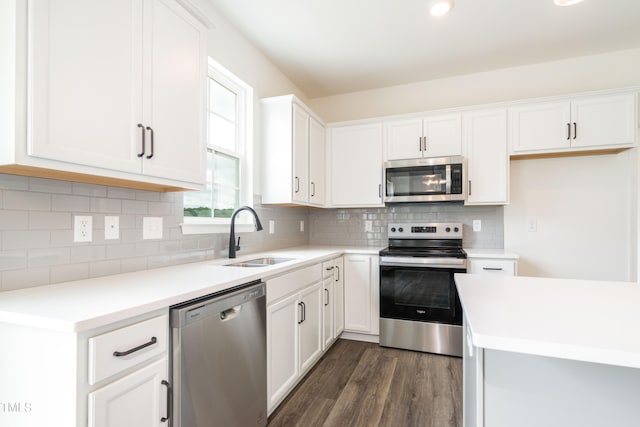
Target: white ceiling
x,y
328,47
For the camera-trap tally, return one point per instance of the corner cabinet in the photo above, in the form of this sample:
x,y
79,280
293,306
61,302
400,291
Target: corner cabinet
x,y
586,123
115,90
115,375
355,165
486,152
432,136
293,153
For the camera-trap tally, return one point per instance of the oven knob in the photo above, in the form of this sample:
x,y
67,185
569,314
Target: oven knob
x,y
400,229
393,229
448,229
456,229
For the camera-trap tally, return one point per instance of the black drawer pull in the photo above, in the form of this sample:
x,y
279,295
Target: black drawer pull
x,y
169,399
152,341
492,268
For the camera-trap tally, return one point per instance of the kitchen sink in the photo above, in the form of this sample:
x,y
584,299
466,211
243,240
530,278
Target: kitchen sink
x,y
259,262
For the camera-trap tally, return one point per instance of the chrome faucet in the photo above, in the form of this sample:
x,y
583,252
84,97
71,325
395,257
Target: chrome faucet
x,y
233,247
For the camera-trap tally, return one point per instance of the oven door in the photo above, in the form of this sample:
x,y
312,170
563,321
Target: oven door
x,y
420,293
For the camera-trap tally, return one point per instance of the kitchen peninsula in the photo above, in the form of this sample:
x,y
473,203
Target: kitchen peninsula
x,y
550,352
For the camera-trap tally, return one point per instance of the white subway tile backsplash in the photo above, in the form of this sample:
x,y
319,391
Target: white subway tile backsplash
x,y
135,207
26,201
49,220
24,278
42,185
50,256
104,205
69,272
64,203
88,253
92,190
12,259
14,220
121,193
14,182
25,239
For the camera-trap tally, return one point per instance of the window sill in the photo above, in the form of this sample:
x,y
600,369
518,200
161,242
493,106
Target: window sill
x,y
188,229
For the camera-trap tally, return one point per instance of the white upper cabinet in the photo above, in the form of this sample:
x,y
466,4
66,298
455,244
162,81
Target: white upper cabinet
x,y
293,153
115,89
355,165
432,136
485,134
579,124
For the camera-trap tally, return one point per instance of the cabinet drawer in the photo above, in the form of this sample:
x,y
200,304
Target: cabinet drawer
x,y
292,282
134,344
491,266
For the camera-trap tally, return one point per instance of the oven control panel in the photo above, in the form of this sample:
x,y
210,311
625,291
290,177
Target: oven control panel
x,y
432,230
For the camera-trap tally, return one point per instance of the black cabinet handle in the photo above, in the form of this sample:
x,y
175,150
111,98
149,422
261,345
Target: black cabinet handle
x,y
141,126
425,143
420,143
297,180
338,270
568,131
150,130
380,190
301,313
575,130
304,311
313,186
469,187
492,268
326,294
169,393
152,341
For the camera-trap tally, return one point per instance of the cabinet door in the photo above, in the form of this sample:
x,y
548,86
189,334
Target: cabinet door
x,y
356,165
338,297
282,348
472,383
175,78
328,304
300,154
85,75
443,135
357,293
139,399
603,121
316,162
487,158
541,127
403,139
310,327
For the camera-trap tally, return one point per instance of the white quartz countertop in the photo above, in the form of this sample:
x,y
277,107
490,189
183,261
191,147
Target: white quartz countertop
x,y
591,321
86,304
490,253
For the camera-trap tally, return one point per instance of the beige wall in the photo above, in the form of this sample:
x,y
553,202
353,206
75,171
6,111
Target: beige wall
x,y
610,70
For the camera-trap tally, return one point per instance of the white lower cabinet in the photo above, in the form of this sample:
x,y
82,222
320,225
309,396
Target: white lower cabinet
x,y
139,399
294,329
116,375
361,289
503,267
333,301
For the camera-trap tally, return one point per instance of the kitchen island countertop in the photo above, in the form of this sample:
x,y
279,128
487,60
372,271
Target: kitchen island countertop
x,y
591,321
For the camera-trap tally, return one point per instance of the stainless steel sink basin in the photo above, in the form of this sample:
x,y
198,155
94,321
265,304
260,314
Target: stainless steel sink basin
x,y
259,262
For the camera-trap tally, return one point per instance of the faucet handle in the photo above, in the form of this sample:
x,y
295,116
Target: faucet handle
x,y
238,245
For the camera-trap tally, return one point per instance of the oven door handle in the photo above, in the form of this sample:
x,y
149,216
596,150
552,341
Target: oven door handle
x,y
423,262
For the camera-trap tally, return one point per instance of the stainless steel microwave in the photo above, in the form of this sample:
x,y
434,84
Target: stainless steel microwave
x,y
438,179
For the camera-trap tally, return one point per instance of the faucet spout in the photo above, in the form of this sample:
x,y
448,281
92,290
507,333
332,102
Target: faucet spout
x,y
232,236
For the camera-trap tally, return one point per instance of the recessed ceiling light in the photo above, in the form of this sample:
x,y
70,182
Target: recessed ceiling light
x,y
566,2
441,7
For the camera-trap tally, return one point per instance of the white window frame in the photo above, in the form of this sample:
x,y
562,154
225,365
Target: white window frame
x,y
194,225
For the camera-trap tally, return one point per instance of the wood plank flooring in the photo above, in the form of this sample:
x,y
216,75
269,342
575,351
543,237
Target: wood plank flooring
x,y
362,384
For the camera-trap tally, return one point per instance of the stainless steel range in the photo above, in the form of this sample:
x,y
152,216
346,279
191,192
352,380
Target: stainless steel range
x,y
419,304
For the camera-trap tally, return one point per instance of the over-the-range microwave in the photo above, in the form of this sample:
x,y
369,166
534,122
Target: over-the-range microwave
x,y
437,179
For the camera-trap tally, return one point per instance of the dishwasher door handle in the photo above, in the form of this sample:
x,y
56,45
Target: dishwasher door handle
x,y
230,313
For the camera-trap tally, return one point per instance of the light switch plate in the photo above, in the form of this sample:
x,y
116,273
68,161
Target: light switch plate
x,y
272,226
82,228
477,225
368,226
151,227
302,225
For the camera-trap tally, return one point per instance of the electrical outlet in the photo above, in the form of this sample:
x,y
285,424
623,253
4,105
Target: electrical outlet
x,y
477,225
302,225
151,227
111,227
82,228
532,225
368,226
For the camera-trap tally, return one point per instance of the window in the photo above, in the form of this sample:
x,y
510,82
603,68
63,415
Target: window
x,y
229,154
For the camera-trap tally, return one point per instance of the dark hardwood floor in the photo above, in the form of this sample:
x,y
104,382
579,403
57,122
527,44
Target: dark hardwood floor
x,y
362,384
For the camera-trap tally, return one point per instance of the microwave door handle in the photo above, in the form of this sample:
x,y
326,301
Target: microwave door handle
x,y
448,184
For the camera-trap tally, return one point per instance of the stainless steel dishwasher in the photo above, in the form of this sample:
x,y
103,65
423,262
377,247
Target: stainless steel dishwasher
x,y
219,359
